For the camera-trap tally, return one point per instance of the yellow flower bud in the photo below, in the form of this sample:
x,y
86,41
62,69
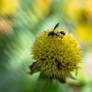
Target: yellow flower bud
x,y
8,7
57,53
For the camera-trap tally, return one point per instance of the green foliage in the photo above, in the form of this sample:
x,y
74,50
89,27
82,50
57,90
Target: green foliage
x,y
51,86
16,45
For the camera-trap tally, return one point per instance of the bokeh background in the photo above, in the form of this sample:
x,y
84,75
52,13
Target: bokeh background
x,y
21,21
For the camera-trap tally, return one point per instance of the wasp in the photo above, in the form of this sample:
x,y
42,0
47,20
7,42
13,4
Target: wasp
x,y
53,32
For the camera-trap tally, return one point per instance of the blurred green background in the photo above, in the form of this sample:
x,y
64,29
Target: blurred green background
x,y
21,21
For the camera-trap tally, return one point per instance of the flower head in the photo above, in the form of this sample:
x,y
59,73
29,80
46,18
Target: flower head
x,y
57,53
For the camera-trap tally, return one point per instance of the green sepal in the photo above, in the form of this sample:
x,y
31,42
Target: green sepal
x,y
37,70
77,68
62,80
42,77
71,76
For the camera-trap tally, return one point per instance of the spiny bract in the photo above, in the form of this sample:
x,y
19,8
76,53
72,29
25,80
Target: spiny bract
x,y
56,55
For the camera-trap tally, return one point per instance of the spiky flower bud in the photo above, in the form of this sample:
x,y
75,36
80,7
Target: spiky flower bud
x,y
57,53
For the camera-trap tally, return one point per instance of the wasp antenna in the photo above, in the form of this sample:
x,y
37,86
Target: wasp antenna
x,y
52,32
56,26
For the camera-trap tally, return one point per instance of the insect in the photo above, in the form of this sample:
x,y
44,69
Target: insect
x,y
53,32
